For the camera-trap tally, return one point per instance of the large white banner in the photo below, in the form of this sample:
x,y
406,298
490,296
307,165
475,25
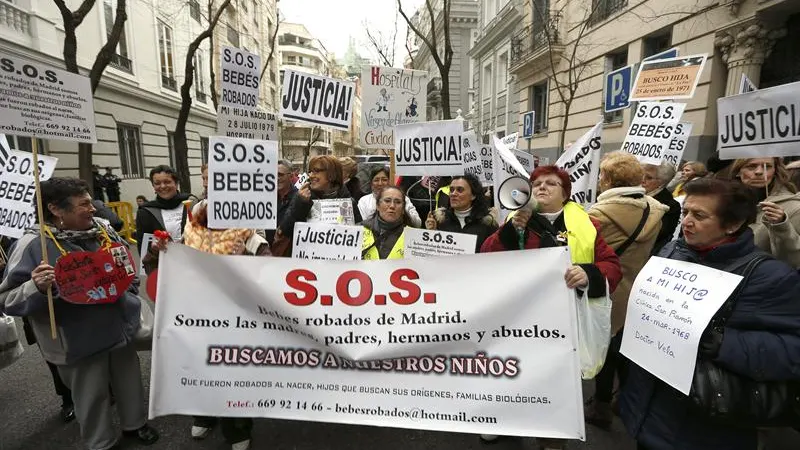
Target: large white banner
x,y
242,184
39,100
391,97
18,191
653,126
671,303
384,343
317,100
241,77
582,161
246,123
327,241
429,148
760,123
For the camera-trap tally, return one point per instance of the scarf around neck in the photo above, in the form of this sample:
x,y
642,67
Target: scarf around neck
x,y
79,235
174,202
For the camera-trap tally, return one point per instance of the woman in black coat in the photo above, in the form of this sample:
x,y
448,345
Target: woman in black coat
x,y
467,213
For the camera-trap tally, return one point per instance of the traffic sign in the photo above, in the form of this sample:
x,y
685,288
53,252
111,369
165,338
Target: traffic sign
x,y
618,89
527,124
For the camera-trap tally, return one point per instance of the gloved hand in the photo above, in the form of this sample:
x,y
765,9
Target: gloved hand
x,y
710,343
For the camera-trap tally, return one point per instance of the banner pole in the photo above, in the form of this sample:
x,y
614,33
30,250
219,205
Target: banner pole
x,y
391,168
766,180
42,238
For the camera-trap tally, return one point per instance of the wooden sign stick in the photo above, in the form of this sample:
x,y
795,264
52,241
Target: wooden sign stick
x,y
42,238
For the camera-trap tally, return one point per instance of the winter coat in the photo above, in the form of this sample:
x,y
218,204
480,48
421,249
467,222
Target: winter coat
x,y
283,208
300,209
149,217
619,212
761,340
670,221
781,240
480,223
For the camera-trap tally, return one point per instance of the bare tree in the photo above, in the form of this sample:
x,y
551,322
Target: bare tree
x,y
71,21
382,45
181,147
443,60
408,47
273,41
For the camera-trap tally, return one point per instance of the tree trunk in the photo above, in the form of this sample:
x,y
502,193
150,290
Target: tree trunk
x,y
562,138
445,74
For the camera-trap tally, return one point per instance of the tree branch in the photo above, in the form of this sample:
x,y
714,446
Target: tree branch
x,y
378,46
82,11
108,50
272,44
422,36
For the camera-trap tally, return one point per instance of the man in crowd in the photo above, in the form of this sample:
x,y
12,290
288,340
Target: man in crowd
x,y
111,183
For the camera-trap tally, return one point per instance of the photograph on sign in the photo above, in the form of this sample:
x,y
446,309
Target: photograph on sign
x,y
618,89
327,241
245,123
653,126
18,191
582,162
41,101
677,145
668,79
429,148
242,189
241,77
760,123
333,211
425,243
317,100
391,97
471,155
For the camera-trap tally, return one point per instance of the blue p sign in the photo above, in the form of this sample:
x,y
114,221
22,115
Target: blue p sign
x,y
527,124
618,89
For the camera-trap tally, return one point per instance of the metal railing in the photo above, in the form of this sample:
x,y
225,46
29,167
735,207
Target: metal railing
x,y
603,9
528,41
122,63
15,18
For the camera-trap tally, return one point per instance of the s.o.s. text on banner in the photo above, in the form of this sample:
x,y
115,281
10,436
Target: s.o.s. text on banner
x,y
317,100
240,78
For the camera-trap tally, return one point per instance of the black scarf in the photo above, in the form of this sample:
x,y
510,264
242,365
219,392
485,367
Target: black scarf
x,y
385,233
174,202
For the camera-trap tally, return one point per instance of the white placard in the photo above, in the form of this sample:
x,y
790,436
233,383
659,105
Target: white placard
x,y
503,171
327,241
471,161
242,189
582,162
147,238
424,243
487,156
302,179
317,100
653,126
745,85
510,141
244,123
429,148
41,101
671,304
392,97
760,124
332,211
677,145
668,79
508,156
241,77
18,191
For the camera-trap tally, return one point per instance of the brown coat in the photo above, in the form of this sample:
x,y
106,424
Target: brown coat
x,y
619,214
781,240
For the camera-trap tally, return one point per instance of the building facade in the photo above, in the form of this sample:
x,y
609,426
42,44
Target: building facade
x,y
589,38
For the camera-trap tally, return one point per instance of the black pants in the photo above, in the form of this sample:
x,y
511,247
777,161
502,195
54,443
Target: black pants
x,y
234,429
615,365
61,388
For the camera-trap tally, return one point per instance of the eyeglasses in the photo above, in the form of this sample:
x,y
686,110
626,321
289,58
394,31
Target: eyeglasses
x,y
548,183
388,201
316,170
459,189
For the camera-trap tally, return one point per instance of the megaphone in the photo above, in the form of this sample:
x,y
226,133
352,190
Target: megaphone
x,y
514,193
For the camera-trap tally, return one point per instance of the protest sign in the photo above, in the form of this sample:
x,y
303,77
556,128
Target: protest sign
x,y
487,156
383,343
671,303
677,145
301,180
508,156
327,241
42,101
502,171
762,123
242,185
240,78
582,162
668,79
745,85
317,100
5,152
246,123
429,148
18,191
95,277
332,211
391,97
653,126
471,155
510,141
424,243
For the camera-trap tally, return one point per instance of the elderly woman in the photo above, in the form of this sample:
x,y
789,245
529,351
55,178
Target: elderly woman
x,y
351,181
558,222
468,212
690,171
379,179
778,221
630,222
95,347
383,232
760,339
167,211
654,182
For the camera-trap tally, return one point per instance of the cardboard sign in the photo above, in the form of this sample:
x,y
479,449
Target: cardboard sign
x,y
391,97
327,241
760,124
242,183
425,243
18,191
41,101
241,78
95,277
317,100
487,156
332,211
668,79
677,145
670,306
246,123
653,126
429,148
582,162
471,161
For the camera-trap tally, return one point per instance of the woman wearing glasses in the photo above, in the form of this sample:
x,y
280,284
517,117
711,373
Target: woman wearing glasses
x,y
368,204
383,232
468,212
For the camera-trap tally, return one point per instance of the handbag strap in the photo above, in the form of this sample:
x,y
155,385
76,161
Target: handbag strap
x,y
621,249
726,310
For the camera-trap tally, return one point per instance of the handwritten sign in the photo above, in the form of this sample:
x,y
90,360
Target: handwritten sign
x,y
95,277
333,211
327,241
424,243
670,305
392,97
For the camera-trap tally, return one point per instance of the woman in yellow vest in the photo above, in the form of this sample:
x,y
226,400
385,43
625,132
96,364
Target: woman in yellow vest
x,y
383,232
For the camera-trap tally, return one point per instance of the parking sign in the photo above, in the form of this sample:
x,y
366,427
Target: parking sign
x,y
527,124
618,89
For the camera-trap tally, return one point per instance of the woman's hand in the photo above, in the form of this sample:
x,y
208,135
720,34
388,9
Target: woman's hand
x,y
430,222
43,276
773,212
576,278
520,219
305,192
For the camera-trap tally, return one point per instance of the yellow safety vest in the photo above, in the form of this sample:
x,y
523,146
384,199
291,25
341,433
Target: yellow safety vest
x,y
443,190
397,251
581,233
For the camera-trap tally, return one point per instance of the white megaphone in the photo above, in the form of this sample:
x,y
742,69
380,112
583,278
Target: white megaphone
x,y
514,193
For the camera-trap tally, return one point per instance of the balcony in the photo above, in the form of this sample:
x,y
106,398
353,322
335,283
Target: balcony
x,y
603,9
534,41
200,96
169,83
14,18
122,63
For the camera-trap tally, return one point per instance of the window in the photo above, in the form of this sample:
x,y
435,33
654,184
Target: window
x,y
291,58
613,62
120,58
171,149
199,79
130,151
487,81
233,36
538,101
25,144
194,10
603,9
166,55
654,45
489,11
204,150
502,72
